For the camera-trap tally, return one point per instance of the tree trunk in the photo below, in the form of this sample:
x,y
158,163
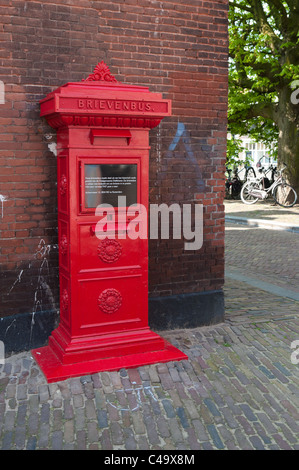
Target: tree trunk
x,y
288,139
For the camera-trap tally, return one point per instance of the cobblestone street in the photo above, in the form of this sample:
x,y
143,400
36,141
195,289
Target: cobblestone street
x,y
238,390
267,255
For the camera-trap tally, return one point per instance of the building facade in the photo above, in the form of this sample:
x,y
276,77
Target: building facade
x,y
175,48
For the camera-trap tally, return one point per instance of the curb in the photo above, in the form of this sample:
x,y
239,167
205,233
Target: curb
x,y
263,285
262,223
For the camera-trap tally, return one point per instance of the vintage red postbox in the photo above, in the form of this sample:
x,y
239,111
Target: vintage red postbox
x,y
103,172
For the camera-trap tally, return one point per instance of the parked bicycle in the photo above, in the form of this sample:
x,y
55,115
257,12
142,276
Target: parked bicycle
x,y
233,184
269,174
283,193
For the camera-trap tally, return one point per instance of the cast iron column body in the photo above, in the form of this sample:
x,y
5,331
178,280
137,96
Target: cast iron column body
x,y
102,152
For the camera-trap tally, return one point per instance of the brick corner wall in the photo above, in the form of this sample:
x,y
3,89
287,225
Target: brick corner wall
x,y
178,49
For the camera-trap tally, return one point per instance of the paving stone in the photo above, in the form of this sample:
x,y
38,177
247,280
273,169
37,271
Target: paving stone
x,y
96,381
11,390
134,377
69,431
105,440
117,433
115,379
229,418
170,411
132,401
126,420
212,407
31,443
175,376
293,425
154,376
273,402
207,446
9,422
248,412
90,409
45,413
245,424
267,372
80,419
68,409
78,401
88,390
183,418
142,443
7,441
138,424
130,442
287,434
175,398
192,439
64,389
57,420
166,381
100,399
92,432
112,409
150,425
215,436
154,405
85,379
238,390
225,434
286,404
102,418
162,426
43,436
33,423
281,442
264,435
57,440
176,432
256,442
76,386
242,440
22,392
191,409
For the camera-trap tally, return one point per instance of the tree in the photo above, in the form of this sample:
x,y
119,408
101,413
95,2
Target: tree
x,y
264,76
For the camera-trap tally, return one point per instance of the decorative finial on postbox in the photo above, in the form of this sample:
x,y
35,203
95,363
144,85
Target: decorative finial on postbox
x,y
100,73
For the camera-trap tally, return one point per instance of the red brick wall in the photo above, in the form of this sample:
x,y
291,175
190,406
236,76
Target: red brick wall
x,y
178,48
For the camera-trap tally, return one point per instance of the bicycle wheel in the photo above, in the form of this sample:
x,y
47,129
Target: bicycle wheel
x,y
246,195
285,195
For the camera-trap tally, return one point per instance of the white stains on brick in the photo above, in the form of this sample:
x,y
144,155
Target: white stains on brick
x,y
16,281
2,199
53,148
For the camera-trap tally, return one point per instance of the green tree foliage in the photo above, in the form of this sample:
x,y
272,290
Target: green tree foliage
x,y
264,68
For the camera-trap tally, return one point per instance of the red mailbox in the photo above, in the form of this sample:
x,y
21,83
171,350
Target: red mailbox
x,y
103,158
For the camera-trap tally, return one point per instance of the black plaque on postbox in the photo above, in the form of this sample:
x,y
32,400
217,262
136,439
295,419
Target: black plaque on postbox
x,y
104,183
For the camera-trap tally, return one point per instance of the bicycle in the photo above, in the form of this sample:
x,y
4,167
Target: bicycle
x,y
283,193
271,169
233,185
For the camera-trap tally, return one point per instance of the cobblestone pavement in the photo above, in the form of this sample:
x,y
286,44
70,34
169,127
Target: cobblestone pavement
x,y
268,255
238,390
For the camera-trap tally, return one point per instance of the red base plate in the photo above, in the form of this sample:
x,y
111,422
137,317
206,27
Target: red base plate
x,y
54,370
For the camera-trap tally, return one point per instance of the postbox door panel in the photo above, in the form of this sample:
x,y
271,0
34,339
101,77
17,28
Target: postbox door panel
x,y
109,253
111,263
112,303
